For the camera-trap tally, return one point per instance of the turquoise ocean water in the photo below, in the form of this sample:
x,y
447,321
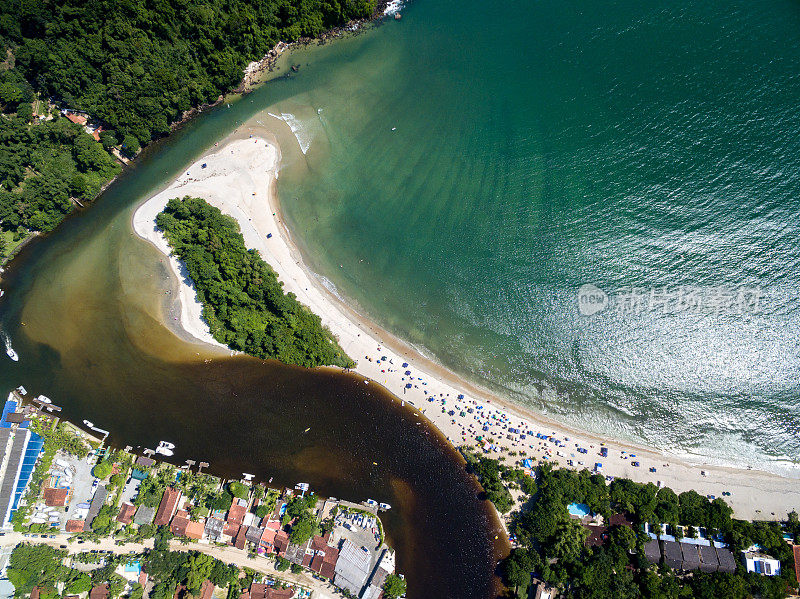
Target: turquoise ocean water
x,y
462,172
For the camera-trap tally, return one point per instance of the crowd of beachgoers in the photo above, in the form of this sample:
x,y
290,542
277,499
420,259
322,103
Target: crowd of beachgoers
x,y
240,179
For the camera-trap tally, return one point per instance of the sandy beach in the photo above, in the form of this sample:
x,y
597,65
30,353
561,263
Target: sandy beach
x,y
239,178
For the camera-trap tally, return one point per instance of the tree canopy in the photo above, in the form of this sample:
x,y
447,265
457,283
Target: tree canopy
x,y
137,65
243,302
552,545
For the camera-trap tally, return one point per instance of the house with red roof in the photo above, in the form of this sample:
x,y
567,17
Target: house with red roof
x,y
267,542
55,497
796,550
206,589
74,526
167,507
230,529
183,527
323,556
281,542
237,512
240,540
262,591
78,119
126,512
99,592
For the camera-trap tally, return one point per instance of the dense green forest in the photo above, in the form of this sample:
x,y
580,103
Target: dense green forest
x,y
552,545
136,65
243,301
43,164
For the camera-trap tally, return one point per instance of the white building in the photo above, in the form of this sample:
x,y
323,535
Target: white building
x,y
761,563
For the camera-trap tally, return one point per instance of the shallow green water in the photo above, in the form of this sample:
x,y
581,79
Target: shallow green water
x,y
472,165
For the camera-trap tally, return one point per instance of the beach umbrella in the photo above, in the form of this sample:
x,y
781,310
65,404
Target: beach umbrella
x,y
407,372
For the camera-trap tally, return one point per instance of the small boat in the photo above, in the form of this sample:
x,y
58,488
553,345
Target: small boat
x,y
384,506
371,502
9,350
88,423
248,477
165,448
44,399
22,390
308,429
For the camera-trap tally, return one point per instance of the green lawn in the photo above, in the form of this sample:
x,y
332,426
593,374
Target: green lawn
x,y
9,245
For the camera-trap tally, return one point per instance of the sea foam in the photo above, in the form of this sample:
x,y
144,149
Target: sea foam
x,y
302,136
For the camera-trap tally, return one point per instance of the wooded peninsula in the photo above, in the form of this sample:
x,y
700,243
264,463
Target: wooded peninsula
x,y
243,302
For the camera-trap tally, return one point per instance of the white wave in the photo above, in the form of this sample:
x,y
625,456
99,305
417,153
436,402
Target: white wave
x,y
302,136
328,284
393,7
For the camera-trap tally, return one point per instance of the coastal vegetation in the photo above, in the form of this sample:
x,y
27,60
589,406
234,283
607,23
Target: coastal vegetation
x,y
47,165
553,548
42,566
243,301
136,66
131,70
394,586
304,524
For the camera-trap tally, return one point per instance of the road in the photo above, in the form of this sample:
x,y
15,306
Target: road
x,y
229,555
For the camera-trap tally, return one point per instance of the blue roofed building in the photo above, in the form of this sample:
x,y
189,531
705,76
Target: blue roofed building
x,y
19,451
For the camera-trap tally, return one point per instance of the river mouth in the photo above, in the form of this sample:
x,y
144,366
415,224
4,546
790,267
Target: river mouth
x,y
85,310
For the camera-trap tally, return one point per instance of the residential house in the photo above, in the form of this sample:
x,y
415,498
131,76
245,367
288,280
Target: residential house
x,y
673,557
168,506
240,540
761,563
55,497
796,551
708,559
74,526
99,592
237,512
206,590
126,513
262,591
726,562
652,551
253,535
267,541
144,462
98,501
144,515
183,527
691,556
281,542
214,528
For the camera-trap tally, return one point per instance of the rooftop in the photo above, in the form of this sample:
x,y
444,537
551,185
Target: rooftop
x,y
55,497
